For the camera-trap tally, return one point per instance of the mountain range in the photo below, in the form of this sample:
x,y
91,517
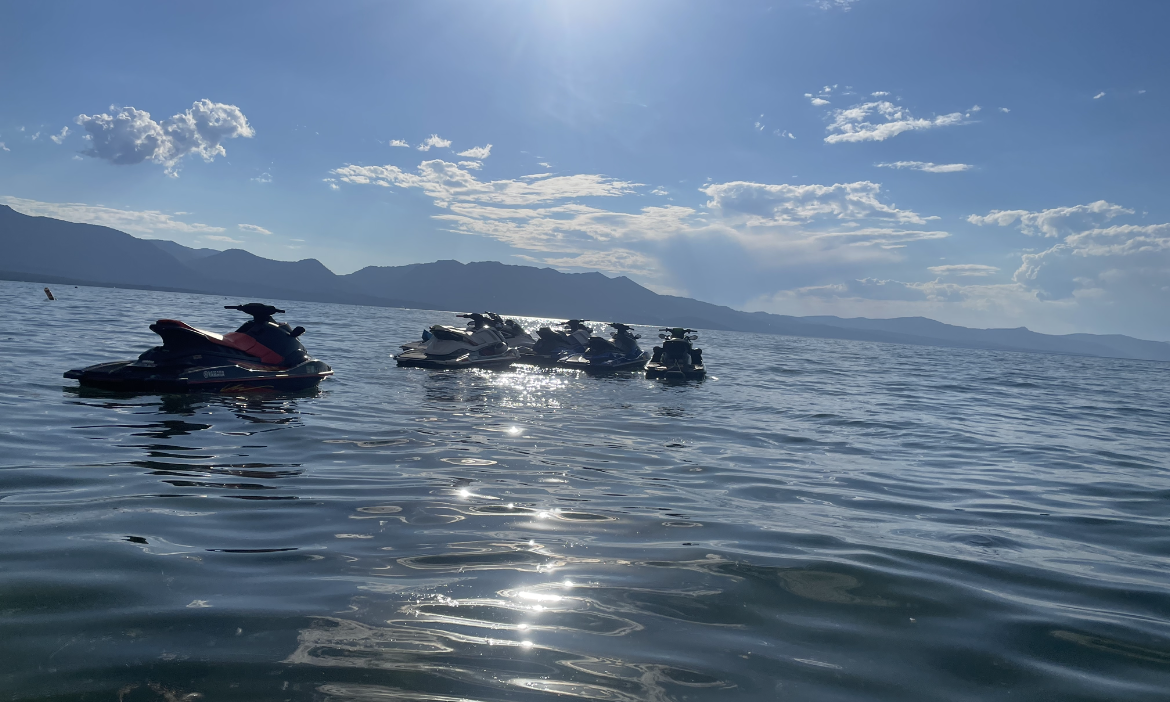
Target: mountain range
x,y
48,250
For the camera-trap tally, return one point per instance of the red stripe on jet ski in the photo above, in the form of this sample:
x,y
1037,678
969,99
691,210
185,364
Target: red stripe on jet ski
x,y
233,340
250,346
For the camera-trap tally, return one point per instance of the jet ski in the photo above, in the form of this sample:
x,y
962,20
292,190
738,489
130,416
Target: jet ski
x,y
262,355
553,345
512,332
479,345
677,358
620,353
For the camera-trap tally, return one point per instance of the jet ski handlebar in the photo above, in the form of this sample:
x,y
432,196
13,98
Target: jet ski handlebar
x,y
258,310
475,317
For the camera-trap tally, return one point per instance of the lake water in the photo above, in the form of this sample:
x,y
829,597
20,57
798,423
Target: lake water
x,y
818,520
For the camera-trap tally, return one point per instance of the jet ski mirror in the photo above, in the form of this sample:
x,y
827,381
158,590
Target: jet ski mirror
x,y
662,336
297,332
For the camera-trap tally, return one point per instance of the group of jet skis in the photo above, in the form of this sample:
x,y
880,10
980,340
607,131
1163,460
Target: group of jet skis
x,y
490,341
264,354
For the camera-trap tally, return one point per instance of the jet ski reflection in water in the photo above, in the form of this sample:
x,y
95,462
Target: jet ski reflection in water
x,y
554,346
479,345
621,353
677,358
262,355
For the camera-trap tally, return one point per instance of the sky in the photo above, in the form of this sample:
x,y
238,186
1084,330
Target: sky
x,y
989,164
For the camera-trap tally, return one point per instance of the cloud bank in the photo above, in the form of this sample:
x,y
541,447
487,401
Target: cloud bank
x,y
780,224
135,221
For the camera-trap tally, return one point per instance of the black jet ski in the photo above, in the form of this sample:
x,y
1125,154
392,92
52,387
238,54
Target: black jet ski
x,y
262,355
619,353
553,345
677,358
512,332
478,345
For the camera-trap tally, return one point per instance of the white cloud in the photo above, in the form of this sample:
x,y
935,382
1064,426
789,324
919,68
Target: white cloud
x,y
964,269
130,136
818,101
446,182
545,164
224,239
612,261
759,127
784,133
399,142
854,123
660,191
141,221
927,166
478,153
1099,95
471,165
3,147
59,138
792,204
434,140
975,108
253,229
843,5
1055,222
1137,252
977,305
569,228
264,177
1004,110
780,225
879,93
1122,265
36,136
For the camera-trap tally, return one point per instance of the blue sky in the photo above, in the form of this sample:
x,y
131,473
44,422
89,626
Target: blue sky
x,y
983,163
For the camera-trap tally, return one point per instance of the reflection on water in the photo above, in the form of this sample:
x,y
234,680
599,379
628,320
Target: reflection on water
x,y
857,522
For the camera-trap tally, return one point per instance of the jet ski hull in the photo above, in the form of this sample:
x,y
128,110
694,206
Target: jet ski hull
x,y
420,359
542,360
675,372
134,376
601,366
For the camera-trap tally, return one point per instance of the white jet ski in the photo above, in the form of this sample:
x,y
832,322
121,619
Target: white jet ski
x,y
477,346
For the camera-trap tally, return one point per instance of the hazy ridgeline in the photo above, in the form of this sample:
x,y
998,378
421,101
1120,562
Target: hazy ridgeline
x,y
52,251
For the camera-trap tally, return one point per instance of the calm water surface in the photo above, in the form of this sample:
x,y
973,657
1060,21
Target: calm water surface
x,y
820,520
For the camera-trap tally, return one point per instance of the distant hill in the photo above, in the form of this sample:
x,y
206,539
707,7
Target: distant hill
x,y
183,253
51,250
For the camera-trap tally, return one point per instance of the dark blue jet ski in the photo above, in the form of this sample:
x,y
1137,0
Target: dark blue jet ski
x,y
553,346
619,353
677,358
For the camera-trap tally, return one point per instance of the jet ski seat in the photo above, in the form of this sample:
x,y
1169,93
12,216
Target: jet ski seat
x,y
234,340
